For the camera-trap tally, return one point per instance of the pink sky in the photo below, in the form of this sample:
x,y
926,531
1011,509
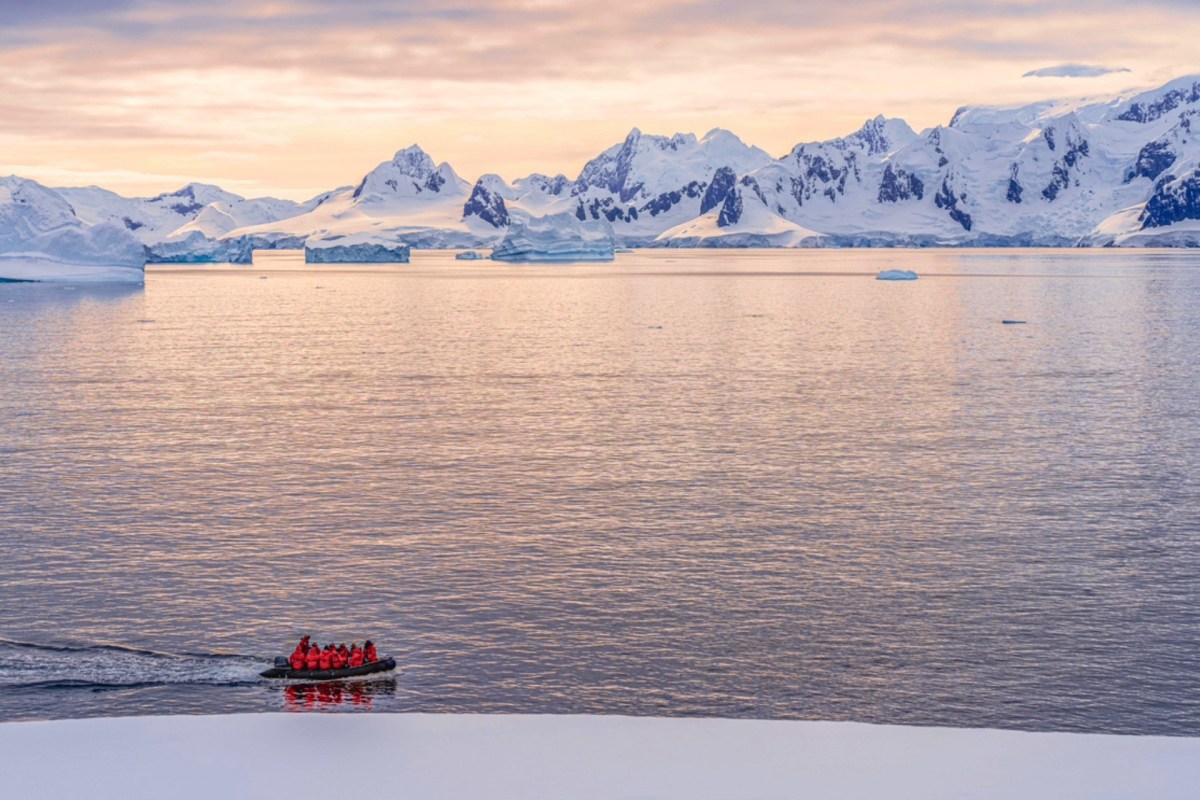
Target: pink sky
x,y
297,96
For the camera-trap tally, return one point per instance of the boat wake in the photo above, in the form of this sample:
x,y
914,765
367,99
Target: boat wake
x,y
96,667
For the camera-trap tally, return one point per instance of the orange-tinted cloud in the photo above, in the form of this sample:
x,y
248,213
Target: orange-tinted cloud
x,y
295,96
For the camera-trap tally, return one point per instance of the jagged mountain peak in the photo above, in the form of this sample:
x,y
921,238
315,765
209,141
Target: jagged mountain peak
x,y
883,135
493,182
410,173
413,160
197,194
1157,103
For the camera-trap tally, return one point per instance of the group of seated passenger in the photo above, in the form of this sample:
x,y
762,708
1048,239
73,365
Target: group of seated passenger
x,y
313,656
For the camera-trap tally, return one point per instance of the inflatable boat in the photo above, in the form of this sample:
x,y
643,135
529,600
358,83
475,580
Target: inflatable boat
x,y
283,669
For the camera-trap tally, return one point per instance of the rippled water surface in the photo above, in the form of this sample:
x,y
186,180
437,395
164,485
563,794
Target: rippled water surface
x,y
738,484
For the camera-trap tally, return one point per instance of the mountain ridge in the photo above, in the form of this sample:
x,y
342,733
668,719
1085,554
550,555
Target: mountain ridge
x,y
1118,170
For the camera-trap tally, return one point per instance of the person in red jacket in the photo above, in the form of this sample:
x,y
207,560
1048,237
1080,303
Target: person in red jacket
x,y
337,660
297,657
356,656
344,651
326,657
313,659
369,654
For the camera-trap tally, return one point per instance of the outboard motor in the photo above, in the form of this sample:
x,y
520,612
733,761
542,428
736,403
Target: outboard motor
x,y
282,662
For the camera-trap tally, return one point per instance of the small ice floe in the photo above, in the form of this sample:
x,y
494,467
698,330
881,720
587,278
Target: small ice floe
x,y
1012,322
896,275
468,255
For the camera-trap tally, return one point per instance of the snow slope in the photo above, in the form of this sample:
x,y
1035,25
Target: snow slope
x,y
41,238
502,757
738,222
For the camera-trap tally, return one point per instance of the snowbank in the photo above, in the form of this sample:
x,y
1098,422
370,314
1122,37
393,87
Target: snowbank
x,y
432,756
556,238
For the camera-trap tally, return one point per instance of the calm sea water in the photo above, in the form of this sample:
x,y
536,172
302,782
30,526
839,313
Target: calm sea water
x,y
750,484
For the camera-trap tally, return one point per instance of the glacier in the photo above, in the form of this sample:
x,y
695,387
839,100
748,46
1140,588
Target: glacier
x,y
556,238
42,239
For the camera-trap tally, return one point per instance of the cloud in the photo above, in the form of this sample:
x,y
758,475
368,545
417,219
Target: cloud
x,y
1073,71
288,92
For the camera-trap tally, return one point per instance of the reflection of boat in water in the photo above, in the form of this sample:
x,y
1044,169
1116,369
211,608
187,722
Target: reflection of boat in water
x,y
328,695
283,669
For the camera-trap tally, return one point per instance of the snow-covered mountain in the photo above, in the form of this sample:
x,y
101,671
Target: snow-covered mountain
x,y
197,207
42,238
1112,171
641,186
1119,170
409,200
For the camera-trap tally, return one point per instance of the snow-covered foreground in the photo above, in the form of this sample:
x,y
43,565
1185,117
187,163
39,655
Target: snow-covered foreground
x,y
432,756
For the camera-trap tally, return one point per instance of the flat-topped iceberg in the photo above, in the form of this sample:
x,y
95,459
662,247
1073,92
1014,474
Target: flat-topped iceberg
x,y
896,275
556,238
368,247
41,239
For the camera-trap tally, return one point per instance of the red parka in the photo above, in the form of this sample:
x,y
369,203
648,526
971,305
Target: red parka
x,y
326,659
369,654
313,659
356,657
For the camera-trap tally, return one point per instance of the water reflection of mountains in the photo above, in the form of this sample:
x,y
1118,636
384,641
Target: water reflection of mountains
x,y
337,695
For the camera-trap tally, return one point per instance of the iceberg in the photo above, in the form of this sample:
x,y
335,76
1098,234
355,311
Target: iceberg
x,y
468,255
556,238
358,248
896,275
42,239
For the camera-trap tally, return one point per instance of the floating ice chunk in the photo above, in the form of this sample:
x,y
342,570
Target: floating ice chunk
x,y
357,248
556,238
896,275
469,255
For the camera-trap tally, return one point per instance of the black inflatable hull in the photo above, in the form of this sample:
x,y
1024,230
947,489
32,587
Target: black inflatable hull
x,y
383,665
